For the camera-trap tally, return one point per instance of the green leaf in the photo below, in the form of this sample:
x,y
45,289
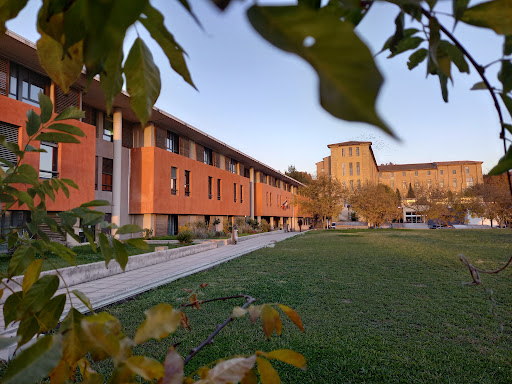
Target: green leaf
x,y
49,316
508,102
89,234
64,68
106,250
349,81
478,86
63,252
9,9
39,294
11,307
128,228
443,81
142,80
46,105
505,75
70,113
27,330
406,44
458,8
138,243
186,5
33,122
504,164
70,182
455,55
20,260
35,362
507,46
84,299
112,77
95,203
221,4
508,127
71,129
495,14
57,137
154,23
416,58
7,341
120,253
75,346
32,274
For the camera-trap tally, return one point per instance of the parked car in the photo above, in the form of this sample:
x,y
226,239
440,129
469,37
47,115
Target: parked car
x,y
333,225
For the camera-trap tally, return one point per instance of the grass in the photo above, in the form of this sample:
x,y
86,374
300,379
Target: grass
x,y
85,255
379,306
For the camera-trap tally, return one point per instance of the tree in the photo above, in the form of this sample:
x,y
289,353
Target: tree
x,y
323,197
398,196
377,203
303,177
491,200
410,192
440,205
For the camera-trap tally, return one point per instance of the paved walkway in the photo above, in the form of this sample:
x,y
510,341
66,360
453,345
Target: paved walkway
x,y
115,288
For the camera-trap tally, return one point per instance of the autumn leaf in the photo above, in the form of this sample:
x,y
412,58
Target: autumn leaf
x,y
231,371
268,374
288,356
173,367
267,316
161,321
294,316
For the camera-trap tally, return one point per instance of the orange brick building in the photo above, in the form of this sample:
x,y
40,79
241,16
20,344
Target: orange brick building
x,y
353,163
159,176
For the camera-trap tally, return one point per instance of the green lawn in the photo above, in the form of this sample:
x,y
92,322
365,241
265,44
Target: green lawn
x,y
85,255
379,306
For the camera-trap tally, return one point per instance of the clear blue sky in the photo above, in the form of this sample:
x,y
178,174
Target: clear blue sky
x,y
264,102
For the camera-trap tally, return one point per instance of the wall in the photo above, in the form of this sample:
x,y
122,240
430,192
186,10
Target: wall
x,y
260,202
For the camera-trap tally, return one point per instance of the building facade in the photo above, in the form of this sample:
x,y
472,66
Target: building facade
x,y
159,176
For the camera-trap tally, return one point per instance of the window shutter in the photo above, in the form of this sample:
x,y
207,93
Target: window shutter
x,y
160,137
184,147
199,153
11,135
127,139
63,101
216,159
3,76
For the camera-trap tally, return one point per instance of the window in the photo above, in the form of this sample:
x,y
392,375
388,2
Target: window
x,y
187,183
469,182
270,198
218,189
358,170
441,183
392,174
428,173
416,184
404,184
351,184
357,151
107,170
234,192
26,85
232,165
441,171
454,171
208,156
108,128
172,143
48,160
174,180
350,151
96,174
267,199
350,169
358,183
454,183
415,173
404,173
342,152
467,170
241,194
429,183
210,182
343,169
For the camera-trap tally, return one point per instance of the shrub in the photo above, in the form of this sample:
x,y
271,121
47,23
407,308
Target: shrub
x,y
185,237
147,233
265,226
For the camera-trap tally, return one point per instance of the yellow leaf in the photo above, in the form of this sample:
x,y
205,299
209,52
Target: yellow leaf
x,y
32,274
74,345
89,375
239,312
277,322
64,69
267,316
60,373
250,377
173,367
145,367
255,312
161,321
268,374
289,357
203,372
231,371
103,332
294,316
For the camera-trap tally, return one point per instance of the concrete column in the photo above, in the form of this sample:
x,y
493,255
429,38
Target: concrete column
x,y
294,219
148,221
271,222
281,222
149,135
259,219
116,178
251,190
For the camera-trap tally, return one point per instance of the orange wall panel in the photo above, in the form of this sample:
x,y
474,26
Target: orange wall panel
x,y
76,161
260,202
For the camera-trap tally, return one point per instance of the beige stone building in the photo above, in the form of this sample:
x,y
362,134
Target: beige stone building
x,y
353,164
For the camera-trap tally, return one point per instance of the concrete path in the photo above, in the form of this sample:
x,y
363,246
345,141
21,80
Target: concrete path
x,y
115,288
